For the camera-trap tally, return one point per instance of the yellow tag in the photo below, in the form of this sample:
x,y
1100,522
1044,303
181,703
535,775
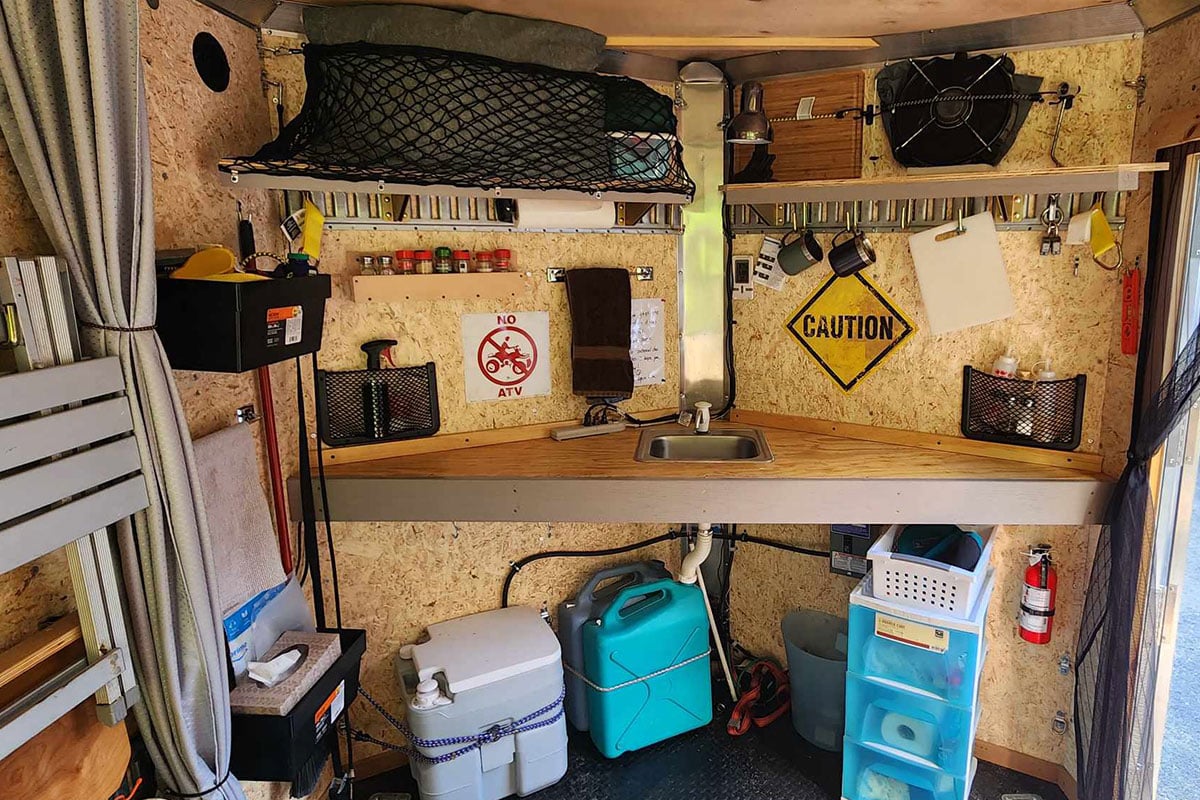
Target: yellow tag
x,y
314,224
1102,238
913,634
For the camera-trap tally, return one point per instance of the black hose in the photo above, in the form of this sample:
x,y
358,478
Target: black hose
x,y
517,566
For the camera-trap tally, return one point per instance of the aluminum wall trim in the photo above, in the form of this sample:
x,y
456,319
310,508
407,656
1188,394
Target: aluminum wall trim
x,y
1078,26
248,12
652,500
703,249
1157,14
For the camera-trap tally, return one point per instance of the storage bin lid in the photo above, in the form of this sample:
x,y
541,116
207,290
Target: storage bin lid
x,y
481,649
863,595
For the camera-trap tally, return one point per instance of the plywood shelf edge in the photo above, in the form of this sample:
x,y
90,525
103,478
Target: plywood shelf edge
x,y
456,286
1109,178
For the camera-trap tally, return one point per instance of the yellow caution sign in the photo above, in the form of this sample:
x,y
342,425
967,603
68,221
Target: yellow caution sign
x,y
849,327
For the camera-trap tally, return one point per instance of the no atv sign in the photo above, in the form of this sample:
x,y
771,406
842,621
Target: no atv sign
x,y
506,356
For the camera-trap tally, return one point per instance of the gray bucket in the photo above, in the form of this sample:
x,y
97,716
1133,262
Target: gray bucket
x,y
816,655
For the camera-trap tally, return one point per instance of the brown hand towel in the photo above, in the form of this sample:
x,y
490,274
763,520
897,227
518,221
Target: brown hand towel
x,y
600,304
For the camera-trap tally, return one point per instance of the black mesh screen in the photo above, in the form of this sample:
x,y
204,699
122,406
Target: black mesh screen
x,y
345,417
1013,411
421,116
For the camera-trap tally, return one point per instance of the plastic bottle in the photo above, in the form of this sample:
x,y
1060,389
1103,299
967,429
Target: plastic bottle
x,y
503,260
442,261
424,262
1047,426
1005,366
405,263
483,261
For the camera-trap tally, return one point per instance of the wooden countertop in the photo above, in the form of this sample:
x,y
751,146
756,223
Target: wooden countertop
x,y
815,478
798,455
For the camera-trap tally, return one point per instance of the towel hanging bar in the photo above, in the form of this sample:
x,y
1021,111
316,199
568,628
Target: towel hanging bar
x,y
559,274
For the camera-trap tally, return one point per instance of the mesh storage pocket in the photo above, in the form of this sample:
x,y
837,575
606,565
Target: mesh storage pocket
x,y
1032,413
345,416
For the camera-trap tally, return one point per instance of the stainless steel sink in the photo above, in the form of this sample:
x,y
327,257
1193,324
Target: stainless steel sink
x,y
720,444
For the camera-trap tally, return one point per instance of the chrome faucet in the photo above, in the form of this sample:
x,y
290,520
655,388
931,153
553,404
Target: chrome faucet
x,y
703,416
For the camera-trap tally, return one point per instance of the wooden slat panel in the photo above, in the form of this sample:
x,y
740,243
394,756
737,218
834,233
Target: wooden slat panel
x,y
818,149
41,437
39,535
28,392
27,491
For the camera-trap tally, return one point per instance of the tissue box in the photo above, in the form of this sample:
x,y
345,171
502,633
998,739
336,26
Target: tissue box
x,y
279,700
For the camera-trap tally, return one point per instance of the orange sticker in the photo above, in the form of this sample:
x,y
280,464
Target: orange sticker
x,y
281,314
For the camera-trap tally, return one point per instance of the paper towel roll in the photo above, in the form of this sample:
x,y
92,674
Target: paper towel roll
x,y
908,734
555,214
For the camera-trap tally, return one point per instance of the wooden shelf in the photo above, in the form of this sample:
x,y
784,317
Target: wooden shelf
x,y
456,286
814,478
1113,178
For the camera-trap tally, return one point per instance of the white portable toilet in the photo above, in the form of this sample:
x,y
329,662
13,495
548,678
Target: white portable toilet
x,y
485,706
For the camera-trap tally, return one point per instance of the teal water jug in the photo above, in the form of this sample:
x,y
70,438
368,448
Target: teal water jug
x,y
646,660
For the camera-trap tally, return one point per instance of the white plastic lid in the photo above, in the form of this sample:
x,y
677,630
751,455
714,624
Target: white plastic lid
x,y
482,649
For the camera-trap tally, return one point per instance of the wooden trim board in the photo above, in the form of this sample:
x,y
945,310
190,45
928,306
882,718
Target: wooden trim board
x,y
473,285
455,441
20,665
1111,178
1089,462
1028,765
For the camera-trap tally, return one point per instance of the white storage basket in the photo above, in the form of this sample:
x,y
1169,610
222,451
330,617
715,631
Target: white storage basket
x,y
922,583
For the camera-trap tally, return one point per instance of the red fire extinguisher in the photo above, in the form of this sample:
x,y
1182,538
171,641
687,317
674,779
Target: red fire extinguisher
x,y
1037,596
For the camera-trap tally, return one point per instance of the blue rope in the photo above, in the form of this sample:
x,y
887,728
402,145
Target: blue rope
x,y
474,741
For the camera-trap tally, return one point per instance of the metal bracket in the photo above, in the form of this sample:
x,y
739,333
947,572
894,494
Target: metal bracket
x,y
1064,664
1059,724
559,274
773,215
1138,85
246,414
632,213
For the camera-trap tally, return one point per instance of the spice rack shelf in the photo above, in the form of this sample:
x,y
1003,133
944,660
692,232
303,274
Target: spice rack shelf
x,y
1110,178
455,286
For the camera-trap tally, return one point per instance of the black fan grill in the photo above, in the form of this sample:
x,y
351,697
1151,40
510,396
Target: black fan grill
x,y
948,111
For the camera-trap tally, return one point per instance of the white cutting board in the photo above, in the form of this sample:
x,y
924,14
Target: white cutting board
x,y
963,279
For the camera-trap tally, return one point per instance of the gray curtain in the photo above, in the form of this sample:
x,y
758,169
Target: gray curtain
x,y
72,110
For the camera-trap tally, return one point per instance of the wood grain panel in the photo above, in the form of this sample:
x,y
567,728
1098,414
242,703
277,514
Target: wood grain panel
x,y
77,757
798,454
818,149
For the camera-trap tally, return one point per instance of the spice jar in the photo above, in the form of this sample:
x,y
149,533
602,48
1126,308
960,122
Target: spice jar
x,y
442,264
483,261
385,265
366,265
423,261
462,260
405,264
503,260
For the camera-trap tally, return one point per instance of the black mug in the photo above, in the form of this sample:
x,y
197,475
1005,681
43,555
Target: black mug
x,y
851,255
801,253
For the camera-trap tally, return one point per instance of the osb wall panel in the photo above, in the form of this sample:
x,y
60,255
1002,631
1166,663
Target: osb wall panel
x,y
191,127
397,578
1059,315
1097,130
1022,687
430,330
1170,115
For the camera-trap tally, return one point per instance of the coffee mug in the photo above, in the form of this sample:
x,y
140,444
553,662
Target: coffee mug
x,y
851,255
800,253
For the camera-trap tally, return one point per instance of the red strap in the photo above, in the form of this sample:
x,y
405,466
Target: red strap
x,y
1131,311
744,713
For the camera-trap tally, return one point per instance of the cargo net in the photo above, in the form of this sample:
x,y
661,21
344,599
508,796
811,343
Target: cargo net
x,y
414,115
1013,411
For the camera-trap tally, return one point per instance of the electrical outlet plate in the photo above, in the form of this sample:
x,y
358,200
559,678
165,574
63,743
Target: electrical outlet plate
x,y
743,278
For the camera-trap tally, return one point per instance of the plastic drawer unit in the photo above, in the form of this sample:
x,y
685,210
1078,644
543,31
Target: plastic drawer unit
x,y
931,653
484,704
914,727
870,775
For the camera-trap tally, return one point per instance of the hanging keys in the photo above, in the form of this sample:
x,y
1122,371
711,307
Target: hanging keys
x,y
1052,217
